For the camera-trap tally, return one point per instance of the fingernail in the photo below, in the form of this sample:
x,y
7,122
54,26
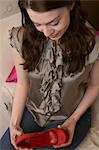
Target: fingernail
x,y
59,126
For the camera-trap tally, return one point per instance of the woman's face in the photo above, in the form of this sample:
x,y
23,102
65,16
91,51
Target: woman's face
x,y
52,23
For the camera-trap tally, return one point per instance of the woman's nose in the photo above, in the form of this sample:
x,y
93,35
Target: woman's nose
x,y
47,31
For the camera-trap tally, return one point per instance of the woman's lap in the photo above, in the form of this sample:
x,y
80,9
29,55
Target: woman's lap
x,y
29,125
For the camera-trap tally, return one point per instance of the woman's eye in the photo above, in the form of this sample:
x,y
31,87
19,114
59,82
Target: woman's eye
x,y
52,24
36,25
55,23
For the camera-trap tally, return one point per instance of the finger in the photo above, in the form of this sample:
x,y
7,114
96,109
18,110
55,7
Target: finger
x,y
13,139
59,126
70,140
56,146
18,132
63,126
13,143
14,134
20,129
63,145
20,148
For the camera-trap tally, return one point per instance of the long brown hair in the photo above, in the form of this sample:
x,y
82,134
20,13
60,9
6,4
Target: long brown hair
x,y
77,42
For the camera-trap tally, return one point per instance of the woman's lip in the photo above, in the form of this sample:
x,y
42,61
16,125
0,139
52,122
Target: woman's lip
x,y
54,35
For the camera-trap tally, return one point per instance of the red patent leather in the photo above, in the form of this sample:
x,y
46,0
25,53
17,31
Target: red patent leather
x,y
50,137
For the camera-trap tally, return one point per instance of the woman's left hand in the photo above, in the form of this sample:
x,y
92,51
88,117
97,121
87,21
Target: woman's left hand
x,y
69,126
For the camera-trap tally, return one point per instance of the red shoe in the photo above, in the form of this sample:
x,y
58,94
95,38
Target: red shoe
x,y
50,137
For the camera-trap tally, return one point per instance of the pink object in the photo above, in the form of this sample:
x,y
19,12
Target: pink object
x,y
97,32
12,76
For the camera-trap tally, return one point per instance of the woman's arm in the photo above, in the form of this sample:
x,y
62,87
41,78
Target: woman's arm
x,y
22,88
91,93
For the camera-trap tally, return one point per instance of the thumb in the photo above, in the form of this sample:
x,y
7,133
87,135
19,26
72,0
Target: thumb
x,y
59,126
19,131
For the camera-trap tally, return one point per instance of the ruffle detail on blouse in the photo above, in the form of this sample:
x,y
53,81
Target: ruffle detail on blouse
x,y
51,85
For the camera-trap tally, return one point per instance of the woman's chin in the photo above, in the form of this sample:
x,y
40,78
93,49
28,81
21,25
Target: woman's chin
x,y
55,38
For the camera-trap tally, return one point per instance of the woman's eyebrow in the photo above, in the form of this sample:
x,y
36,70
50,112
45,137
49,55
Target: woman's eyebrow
x,y
53,20
50,21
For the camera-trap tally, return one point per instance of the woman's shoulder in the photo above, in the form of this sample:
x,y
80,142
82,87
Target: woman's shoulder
x,y
16,33
16,36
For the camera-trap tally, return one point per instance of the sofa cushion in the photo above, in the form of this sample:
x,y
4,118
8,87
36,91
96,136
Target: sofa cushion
x,y
6,60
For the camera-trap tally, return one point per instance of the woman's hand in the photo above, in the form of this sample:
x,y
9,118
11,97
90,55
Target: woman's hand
x,y
14,132
69,126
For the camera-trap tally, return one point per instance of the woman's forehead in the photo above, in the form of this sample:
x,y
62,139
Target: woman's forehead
x,y
44,17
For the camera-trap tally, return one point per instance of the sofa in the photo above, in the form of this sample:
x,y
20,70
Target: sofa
x,y
6,63
7,90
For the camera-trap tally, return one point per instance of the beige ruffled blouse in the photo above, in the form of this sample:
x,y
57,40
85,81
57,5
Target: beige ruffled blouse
x,y
53,94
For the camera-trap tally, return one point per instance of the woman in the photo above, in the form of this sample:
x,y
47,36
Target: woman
x,y
56,57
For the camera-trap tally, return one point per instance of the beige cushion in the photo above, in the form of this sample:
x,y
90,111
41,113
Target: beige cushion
x,y
91,142
6,60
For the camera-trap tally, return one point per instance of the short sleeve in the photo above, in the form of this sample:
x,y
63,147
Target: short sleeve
x,y
94,55
15,37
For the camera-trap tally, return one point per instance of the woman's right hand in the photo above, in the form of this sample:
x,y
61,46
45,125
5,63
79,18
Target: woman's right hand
x,y
14,132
